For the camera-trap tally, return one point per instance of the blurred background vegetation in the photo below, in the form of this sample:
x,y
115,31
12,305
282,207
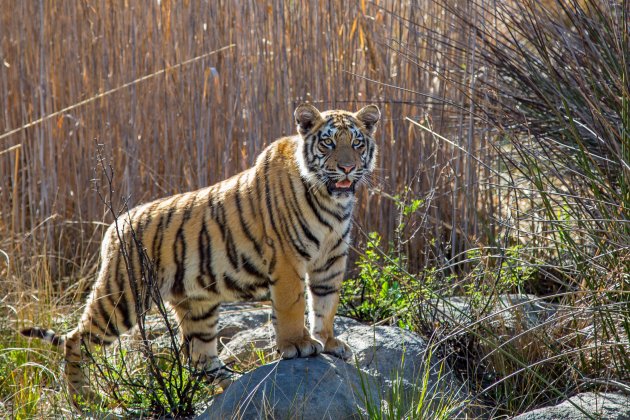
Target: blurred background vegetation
x,y
503,167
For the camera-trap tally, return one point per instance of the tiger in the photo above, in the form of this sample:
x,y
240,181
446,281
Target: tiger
x,y
280,228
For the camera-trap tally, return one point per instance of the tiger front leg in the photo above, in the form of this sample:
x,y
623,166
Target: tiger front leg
x,y
324,288
287,296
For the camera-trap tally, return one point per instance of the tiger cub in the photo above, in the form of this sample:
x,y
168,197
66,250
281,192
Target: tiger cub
x,y
281,226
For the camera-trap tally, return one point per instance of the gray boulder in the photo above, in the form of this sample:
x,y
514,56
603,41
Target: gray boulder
x,y
604,406
386,360
313,388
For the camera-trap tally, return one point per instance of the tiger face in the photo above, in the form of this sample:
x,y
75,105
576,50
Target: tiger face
x,y
337,149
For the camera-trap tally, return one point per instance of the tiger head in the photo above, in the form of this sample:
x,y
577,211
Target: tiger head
x,y
337,148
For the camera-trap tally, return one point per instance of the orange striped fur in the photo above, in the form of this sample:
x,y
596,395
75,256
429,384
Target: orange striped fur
x,y
281,226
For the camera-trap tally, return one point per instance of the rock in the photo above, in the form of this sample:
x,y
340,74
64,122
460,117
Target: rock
x,y
604,406
247,346
385,358
387,352
312,388
237,317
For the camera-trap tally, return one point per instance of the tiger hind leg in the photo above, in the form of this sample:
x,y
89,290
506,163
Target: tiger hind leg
x,y
198,324
102,323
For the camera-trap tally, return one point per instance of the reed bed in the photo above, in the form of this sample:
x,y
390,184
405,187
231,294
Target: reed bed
x,y
184,94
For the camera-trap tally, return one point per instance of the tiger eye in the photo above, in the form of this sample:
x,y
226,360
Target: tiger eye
x,y
327,142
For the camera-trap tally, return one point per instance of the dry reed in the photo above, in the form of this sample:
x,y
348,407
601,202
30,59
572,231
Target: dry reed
x,y
74,75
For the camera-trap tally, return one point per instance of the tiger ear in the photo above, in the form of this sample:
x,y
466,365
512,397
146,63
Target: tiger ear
x,y
306,115
369,116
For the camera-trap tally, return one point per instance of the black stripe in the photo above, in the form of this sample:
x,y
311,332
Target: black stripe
x,y
110,320
203,250
109,328
295,207
179,254
205,337
371,152
205,260
230,248
244,227
329,277
219,217
98,340
323,290
286,227
251,269
290,225
250,199
133,257
179,251
169,214
311,204
206,315
347,210
299,246
268,199
272,262
244,292
342,238
128,294
329,263
118,302
326,209
156,247
122,306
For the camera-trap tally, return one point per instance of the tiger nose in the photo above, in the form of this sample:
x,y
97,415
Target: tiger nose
x,y
346,168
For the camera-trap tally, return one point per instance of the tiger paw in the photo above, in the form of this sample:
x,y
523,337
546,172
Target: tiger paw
x,y
303,347
215,371
337,348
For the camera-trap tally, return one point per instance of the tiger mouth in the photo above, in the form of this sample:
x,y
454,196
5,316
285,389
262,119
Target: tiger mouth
x,y
343,186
